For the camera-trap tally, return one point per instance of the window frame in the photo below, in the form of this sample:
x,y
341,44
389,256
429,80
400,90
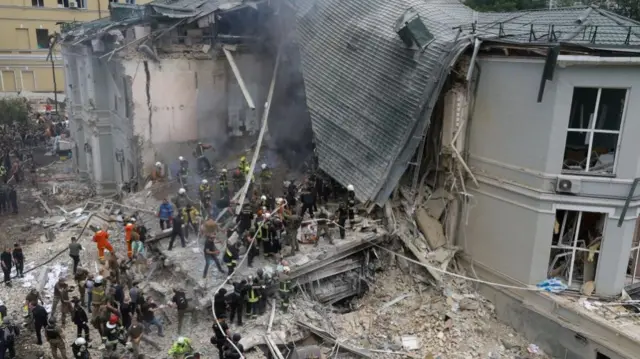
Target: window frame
x,y
38,42
591,131
39,3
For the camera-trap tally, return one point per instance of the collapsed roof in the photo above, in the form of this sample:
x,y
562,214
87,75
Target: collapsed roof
x,y
370,95
373,69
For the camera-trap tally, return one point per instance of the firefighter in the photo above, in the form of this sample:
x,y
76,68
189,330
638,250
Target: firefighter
x,y
181,199
112,334
244,219
128,230
253,298
205,190
159,171
223,183
231,257
101,237
98,298
342,214
238,180
79,349
181,348
285,288
244,166
351,204
190,217
265,178
202,161
184,164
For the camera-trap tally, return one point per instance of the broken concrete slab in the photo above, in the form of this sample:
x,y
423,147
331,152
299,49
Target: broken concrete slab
x,y
431,228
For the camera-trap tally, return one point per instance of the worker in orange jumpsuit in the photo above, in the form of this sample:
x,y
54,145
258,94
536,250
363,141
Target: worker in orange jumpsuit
x,y
102,241
128,229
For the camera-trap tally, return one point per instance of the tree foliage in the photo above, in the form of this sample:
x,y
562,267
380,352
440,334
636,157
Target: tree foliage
x,y
14,110
627,8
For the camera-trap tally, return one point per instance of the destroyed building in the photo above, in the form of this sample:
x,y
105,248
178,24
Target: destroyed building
x,y
501,133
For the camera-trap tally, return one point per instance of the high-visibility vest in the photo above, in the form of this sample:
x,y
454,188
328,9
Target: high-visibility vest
x,y
97,295
284,285
229,258
253,298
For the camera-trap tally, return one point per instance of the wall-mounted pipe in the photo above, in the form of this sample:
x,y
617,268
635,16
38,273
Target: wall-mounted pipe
x,y
628,201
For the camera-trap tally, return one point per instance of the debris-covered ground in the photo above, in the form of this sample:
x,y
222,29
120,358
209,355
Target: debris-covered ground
x,y
401,314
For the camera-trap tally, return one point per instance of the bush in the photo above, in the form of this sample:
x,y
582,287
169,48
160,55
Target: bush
x,y
14,110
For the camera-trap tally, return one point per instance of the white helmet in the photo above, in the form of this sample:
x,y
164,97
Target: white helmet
x,y
180,158
158,164
267,215
204,181
286,269
80,341
263,198
111,325
181,340
182,191
278,200
264,166
98,279
350,188
1,302
224,170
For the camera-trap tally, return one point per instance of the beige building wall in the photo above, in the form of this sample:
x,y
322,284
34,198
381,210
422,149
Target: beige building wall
x,y
25,26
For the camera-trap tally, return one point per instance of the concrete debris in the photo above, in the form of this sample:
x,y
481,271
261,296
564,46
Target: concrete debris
x,y
330,339
431,228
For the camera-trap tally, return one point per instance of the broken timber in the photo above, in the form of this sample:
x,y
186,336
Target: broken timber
x,y
363,353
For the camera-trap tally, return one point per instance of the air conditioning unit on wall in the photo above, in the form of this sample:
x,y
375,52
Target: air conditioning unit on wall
x,y
568,185
73,4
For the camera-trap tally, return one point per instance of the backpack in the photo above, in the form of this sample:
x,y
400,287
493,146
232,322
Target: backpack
x,y
8,334
181,301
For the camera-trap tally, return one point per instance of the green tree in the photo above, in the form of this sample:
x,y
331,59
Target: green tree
x,y
14,110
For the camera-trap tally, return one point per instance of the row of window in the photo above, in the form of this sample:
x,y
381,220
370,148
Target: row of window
x,y
31,79
593,136
80,4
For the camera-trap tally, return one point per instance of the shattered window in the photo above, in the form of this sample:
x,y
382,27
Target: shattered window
x,y
42,37
594,129
575,247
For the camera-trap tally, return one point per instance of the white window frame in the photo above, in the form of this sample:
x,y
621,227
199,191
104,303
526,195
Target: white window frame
x,y
592,130
607,212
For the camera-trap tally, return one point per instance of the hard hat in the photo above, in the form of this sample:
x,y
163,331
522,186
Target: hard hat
x,y
180,158
286,269
263,198
243,158
158,164
264,166
224,170
111,325
98,279
1,302
236,337
204,181
113,319
278,200
260,272
267,215
181,340
80,341
182,191
129,226
133,219
350,187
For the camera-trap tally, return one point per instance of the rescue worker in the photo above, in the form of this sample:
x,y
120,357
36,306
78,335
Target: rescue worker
x,y
230,352
271,230
61,295
202,161
244,166
183,172
8,334
265,203
290,189
81,277
220,334
230,258
135,335
74,253
223,183
323,228
182,305
238,179
351,204
80,319
128,230
56,339
342,214
262,235
307,200
244,219
285,289
219,304
264,280
253,298
181,199
176,231
80,349
184,164
165,213
111,334
190,216
101,237
250,239
159,172
98,298
265,178
292,224
205,193
40,319
181,348
235,300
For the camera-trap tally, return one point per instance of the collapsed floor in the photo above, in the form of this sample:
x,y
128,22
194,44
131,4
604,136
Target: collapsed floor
x,y
401,313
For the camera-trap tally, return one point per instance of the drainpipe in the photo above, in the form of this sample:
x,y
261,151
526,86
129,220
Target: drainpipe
x,y
569,60
627,201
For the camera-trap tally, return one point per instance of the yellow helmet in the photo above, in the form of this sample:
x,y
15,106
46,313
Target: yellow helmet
x,y
243,158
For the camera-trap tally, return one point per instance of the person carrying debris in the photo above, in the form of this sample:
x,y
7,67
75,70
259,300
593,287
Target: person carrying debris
x,y
285,289
56,339
79,349
190,217
6,261
165,214
181,348
231,256
211,254
101,237
8,334
18,260
128,230
74,253
80,319
181,303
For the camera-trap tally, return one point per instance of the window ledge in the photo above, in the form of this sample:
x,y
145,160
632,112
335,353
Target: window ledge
x,y
588,174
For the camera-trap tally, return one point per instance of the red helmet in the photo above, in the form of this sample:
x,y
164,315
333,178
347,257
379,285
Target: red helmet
x,y
238,172
113,319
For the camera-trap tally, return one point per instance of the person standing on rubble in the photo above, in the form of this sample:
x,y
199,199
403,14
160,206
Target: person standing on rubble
x,y
231,256
176,231
98,299
149,316
8,334
308,202
13,199
285,289
190,216
323,228
79,349
61,296
211,254
3,197
265,178
81,276
292,224
244,219
254,296
128,230
223,183
165,214
201,160
219,303
251,241
111,335
56,339
6,261
220,334
101,237
135,336
40,319
18,260
181,200
236,301
179,300
351,204
230,352
74,253
342,214
80,318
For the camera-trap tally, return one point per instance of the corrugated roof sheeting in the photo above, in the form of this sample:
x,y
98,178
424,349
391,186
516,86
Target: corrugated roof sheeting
x,y
370,98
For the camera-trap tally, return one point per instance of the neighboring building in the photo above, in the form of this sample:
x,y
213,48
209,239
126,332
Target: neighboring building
x,y
26,26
